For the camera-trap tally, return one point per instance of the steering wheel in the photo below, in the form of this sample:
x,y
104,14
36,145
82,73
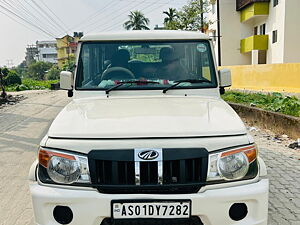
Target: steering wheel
x,y
117,73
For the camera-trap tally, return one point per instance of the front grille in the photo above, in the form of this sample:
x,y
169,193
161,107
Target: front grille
x,y
194,220
183,171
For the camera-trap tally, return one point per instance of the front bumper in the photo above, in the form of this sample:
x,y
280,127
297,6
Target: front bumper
x,y
212,206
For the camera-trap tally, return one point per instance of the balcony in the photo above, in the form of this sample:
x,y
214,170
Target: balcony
x,y
241,4
255,10
256,42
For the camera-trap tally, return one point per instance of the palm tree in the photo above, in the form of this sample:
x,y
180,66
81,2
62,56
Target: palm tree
x,y
171,16
137,21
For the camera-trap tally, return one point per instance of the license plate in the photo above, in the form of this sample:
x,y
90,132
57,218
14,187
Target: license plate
x,y
155,209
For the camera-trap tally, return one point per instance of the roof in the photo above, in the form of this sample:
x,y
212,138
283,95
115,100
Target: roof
x,y
145,35
46,42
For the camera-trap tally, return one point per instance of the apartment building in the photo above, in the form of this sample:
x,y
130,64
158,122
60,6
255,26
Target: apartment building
x,y
46,51
31,53
66,48
256,31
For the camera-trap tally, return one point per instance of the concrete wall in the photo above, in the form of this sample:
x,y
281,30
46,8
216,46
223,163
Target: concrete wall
x,y
268,77
292,32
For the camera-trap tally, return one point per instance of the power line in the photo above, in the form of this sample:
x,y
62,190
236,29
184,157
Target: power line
x,y
12,18
114,18
30,23
94,15
111,28
47,16
60,20
30,14
33,18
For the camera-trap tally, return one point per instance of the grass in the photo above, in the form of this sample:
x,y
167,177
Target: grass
x,y
275,102
29,84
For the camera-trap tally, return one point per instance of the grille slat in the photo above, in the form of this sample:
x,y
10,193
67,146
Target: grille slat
x,y
179,175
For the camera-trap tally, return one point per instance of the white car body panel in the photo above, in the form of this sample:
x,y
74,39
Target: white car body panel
x,y
146,117
131,119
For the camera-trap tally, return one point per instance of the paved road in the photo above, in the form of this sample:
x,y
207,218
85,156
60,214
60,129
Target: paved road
x,y
22,126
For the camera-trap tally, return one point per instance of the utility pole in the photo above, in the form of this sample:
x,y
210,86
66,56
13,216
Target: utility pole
x,y
9,63
202,16
219,33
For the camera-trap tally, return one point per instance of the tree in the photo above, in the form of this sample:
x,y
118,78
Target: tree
x,y
192,16
12,78
3,74
37,70
137,21
170,20
53,73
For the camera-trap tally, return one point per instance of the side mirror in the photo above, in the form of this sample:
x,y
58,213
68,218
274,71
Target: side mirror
x,y
66,80
224,78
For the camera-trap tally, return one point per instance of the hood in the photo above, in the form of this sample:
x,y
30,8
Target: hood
x,y
147,117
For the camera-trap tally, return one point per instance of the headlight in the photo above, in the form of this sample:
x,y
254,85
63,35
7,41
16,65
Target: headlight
x,y
63,168
233,164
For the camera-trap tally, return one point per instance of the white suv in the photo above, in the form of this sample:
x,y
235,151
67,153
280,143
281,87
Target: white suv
x,y
147,139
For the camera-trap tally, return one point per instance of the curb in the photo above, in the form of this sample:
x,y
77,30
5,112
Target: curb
x,y
277,122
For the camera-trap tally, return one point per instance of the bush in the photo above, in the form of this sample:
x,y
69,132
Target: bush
x,y
12,78
276,102
37,70
53,73
21,87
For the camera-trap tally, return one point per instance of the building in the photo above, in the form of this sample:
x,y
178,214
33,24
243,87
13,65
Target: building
x,y
66,48
47,51
31,53
256,31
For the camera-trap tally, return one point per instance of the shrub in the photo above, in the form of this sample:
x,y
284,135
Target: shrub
x,y
12,78
276,102
21,87
53,73
37,70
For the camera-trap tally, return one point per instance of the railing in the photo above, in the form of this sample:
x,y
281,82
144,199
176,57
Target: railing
x,y
240,4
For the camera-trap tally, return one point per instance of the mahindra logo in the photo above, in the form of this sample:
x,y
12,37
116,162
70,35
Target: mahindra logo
x,y
148,155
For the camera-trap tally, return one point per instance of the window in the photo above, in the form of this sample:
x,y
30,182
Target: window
x,y
274,36
102,65
262,29
256,30
275,3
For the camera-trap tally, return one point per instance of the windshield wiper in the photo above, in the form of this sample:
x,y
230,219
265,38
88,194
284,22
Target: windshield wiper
x,y
192,81
130,82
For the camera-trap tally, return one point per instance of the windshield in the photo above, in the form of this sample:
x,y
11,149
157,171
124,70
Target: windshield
x,y
158,65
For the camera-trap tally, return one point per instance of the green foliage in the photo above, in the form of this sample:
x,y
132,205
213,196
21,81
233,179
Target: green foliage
x,y
5,71
37,70
137,21
189,17
12,78
70,64
30,84
53,73
275,102
22,70
171,19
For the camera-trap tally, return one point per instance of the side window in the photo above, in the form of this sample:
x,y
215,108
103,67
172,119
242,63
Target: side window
x,y
274,36
256,30
262,29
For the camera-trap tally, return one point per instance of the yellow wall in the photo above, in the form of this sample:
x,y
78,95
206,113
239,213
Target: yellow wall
x,y
62,46
256,9
268,77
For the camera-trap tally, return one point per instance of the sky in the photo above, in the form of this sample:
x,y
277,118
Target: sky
x,y
88,16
